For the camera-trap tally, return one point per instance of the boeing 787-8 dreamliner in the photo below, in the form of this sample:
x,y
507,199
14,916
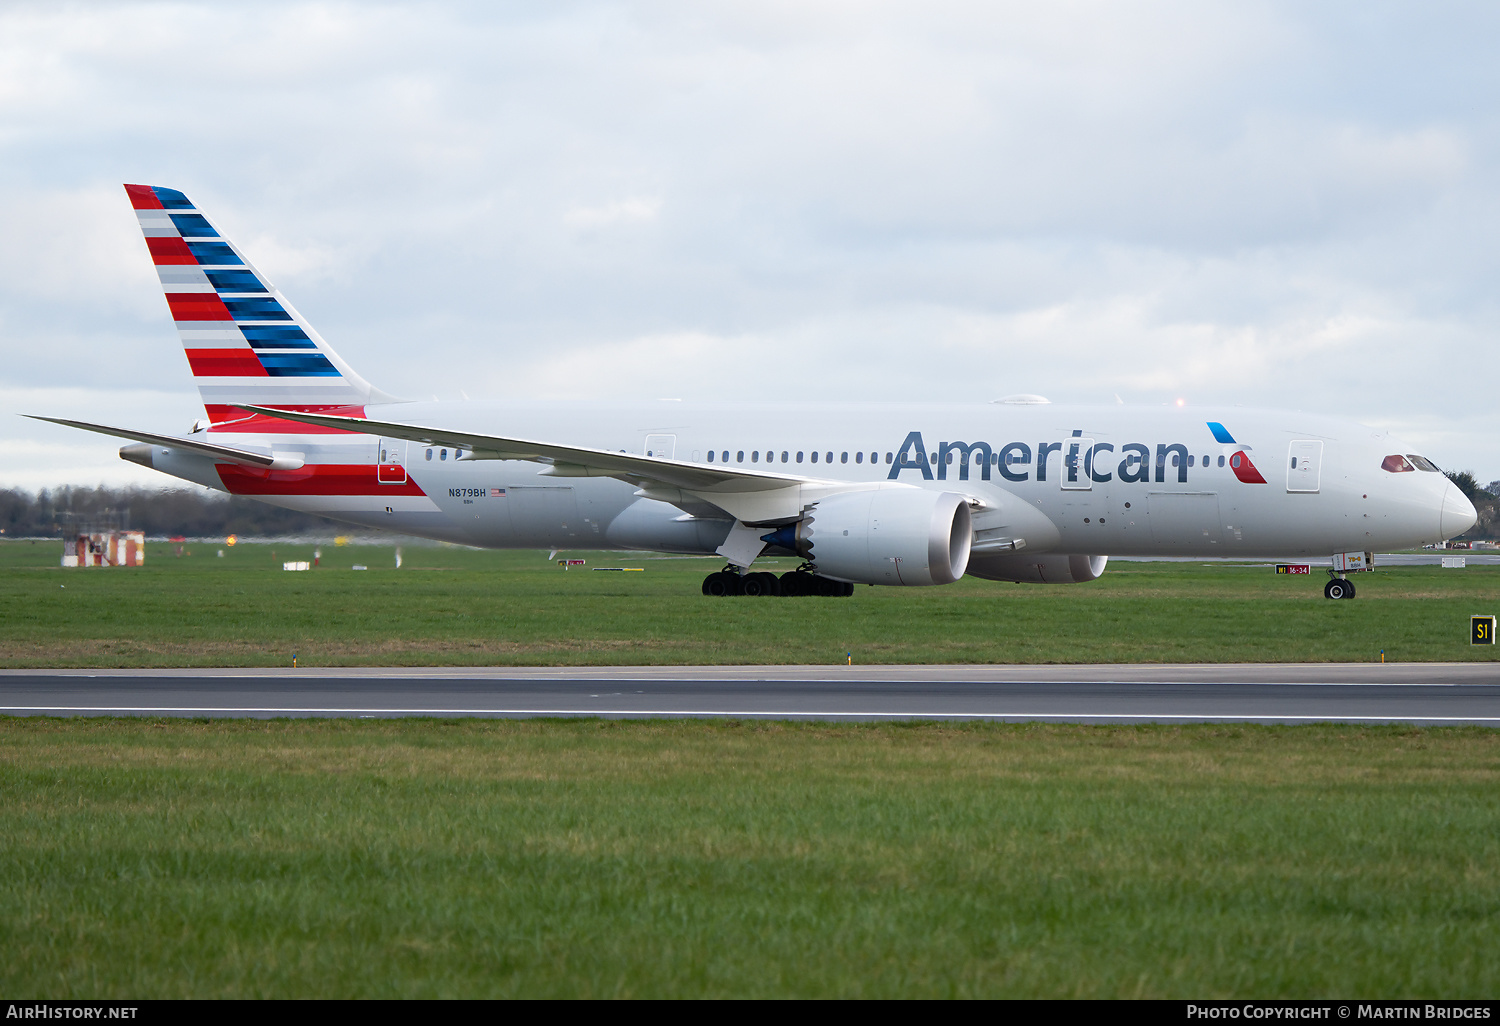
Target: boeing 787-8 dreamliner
x,y
897,494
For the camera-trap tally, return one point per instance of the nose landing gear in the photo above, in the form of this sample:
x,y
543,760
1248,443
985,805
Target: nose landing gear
x,y
1339,588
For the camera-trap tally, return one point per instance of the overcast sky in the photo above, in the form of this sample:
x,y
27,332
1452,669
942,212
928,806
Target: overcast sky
x,y
1290,205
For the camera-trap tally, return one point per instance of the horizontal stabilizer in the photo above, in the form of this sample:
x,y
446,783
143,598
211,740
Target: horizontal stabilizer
x,y
244,457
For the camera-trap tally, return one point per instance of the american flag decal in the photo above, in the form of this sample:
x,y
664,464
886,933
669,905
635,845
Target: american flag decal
x,y
497,493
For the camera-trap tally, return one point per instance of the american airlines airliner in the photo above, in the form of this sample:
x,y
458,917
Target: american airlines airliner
x,y
1019,489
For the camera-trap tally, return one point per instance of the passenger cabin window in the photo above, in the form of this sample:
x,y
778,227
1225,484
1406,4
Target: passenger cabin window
x,y
1395,464
739,457
783,456
442,454
814,457
710,455
725,457
429,454
1221,461
843,457
859,457
888,456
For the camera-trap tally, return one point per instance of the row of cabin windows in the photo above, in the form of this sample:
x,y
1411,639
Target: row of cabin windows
x,y
787,457
859,457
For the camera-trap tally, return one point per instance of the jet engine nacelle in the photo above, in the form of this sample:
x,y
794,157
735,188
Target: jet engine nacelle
x,y
1052,568
898,536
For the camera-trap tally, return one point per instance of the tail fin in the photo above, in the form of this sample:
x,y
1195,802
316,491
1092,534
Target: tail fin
x,y
245,343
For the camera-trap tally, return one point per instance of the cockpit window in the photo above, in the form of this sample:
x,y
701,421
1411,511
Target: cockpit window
x,y
1396,464
1423,463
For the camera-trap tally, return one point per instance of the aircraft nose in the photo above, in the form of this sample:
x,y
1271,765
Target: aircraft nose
x,y
1458,513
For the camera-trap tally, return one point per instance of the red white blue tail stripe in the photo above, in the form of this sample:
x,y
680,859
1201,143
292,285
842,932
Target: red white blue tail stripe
x,y
245,343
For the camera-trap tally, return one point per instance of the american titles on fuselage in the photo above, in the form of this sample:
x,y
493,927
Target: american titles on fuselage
x,y
1080,460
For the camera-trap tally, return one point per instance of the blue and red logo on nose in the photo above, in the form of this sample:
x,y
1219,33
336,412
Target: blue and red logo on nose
x,y
1239,460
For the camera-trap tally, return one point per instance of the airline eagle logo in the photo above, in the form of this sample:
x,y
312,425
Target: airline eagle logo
x,y
1239,460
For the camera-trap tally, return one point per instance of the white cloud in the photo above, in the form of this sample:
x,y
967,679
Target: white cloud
x,y
636,208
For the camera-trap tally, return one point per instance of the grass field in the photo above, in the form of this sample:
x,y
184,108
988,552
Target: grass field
x,y
452,606
608,858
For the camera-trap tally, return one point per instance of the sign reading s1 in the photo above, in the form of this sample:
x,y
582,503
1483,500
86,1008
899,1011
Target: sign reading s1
x,y
1481,630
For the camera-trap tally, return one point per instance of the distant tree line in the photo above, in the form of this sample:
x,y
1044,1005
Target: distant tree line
x,y
57,511
1486,500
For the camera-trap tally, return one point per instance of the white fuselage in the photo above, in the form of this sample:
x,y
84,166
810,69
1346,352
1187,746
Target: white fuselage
x,y
1098,480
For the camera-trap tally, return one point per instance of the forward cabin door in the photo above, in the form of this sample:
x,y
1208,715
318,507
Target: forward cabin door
x,y
1304,466
390,467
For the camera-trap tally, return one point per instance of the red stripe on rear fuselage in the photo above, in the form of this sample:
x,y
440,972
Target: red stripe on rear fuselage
x,y
240,421
316,479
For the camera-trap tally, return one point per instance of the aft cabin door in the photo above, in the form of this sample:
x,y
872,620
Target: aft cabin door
x,y
1304,466
390,468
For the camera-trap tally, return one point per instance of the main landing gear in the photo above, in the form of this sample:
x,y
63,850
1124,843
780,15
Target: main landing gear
x,y
730,581
1339,588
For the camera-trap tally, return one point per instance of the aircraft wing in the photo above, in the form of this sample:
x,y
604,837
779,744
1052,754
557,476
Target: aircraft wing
x,y
748,495
244,457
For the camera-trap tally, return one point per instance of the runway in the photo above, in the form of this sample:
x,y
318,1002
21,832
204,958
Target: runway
x,y
1428,693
